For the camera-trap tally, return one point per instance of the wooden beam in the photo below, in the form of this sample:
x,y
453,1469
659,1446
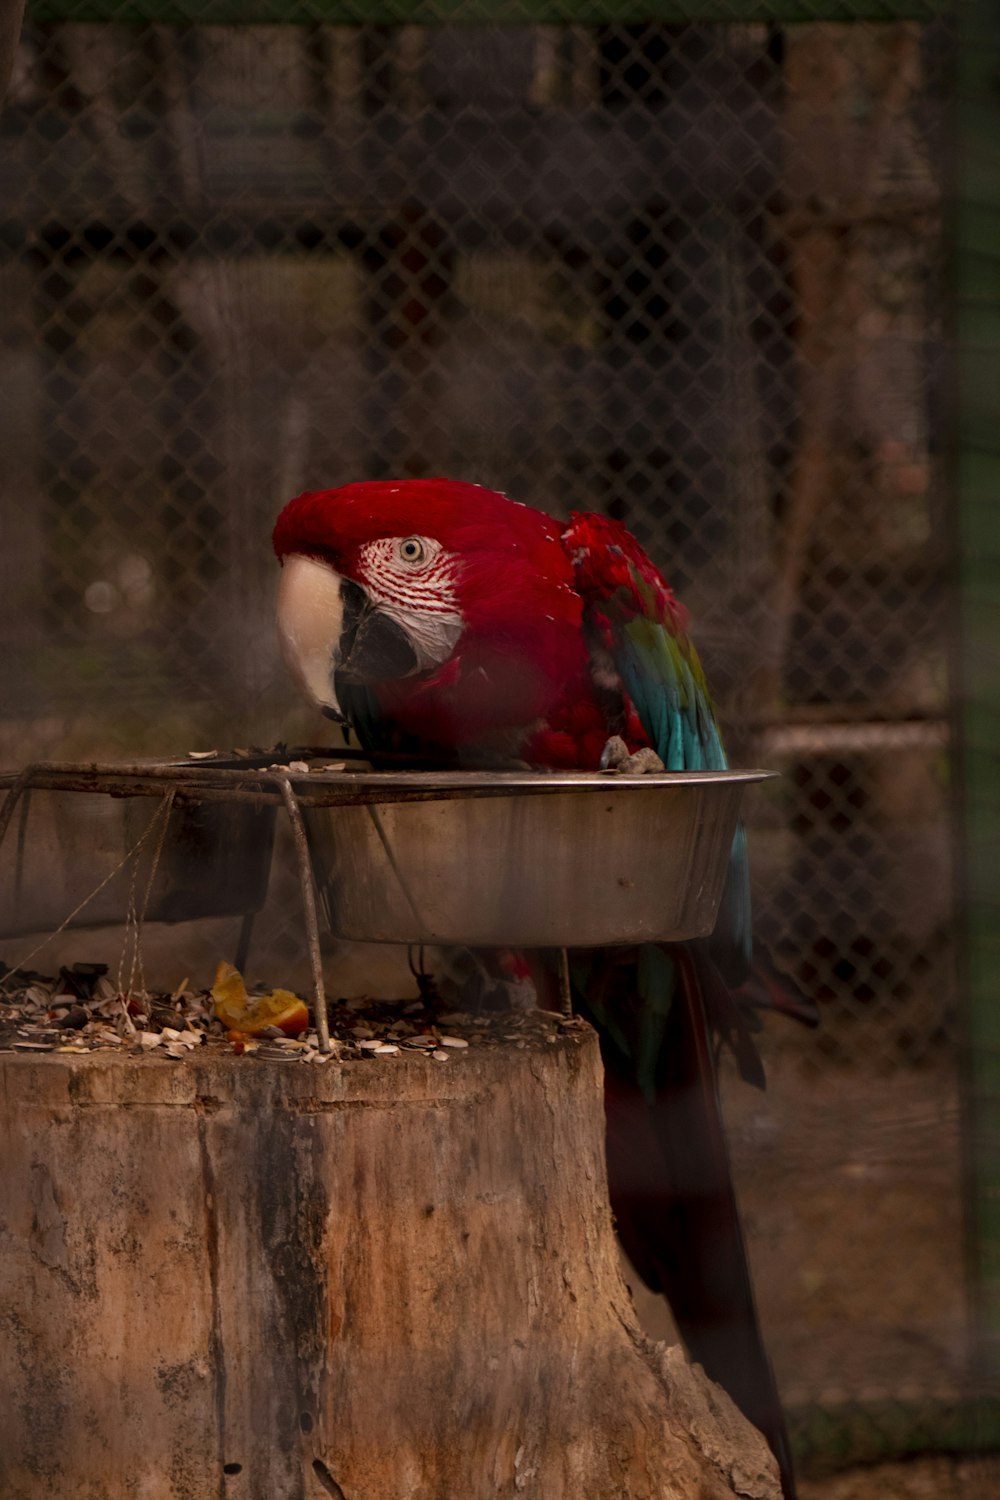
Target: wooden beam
x,y
481,12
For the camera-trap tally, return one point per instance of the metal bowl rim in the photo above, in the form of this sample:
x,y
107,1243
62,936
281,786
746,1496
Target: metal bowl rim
x,y
530,781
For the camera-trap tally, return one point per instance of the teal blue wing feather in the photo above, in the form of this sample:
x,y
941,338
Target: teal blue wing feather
x,y
635,620
663,678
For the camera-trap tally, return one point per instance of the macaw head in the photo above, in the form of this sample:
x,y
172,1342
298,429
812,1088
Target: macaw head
x,y
388,581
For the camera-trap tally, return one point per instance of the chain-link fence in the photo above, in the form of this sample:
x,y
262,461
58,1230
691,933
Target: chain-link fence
x,y
688,274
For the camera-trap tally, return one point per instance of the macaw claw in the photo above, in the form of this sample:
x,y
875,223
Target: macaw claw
x,y
616,756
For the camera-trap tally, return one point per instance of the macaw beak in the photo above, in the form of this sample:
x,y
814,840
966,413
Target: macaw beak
x,y
330,628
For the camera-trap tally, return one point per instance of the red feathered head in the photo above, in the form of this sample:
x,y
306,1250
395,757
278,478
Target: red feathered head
x,y
387,581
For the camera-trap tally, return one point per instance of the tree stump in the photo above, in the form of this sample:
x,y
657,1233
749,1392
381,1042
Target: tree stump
x,y
392,1279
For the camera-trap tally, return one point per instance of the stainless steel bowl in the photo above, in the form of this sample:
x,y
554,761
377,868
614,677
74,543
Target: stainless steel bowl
x,y
528,859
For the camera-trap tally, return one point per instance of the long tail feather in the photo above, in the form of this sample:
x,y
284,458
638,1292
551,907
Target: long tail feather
x,y
672,1194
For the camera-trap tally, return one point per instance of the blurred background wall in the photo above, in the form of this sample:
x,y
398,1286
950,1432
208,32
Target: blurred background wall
x,y
687,274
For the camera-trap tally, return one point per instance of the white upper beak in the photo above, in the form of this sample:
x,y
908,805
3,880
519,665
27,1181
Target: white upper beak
x,y
310,619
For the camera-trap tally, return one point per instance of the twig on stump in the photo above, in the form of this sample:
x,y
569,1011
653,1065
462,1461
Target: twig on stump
x,y
308,907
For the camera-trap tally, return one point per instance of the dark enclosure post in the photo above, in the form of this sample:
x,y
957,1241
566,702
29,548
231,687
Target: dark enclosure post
x,y
978,434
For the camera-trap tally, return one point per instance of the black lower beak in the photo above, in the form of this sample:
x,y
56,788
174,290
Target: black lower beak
x,y
373,648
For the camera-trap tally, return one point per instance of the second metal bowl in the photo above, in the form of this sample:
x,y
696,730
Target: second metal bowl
x,y
80,859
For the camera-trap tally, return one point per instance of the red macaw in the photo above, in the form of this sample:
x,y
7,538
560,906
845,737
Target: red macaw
x,y
445,622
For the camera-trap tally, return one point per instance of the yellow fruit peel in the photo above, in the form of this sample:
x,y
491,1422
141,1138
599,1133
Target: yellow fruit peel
x,y
250,1014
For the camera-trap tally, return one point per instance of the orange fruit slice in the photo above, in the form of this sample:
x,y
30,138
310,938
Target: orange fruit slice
x,y
249,1014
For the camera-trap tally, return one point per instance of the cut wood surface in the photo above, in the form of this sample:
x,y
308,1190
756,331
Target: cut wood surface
x,y
392,1279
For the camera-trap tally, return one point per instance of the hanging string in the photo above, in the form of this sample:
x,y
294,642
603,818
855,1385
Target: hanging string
x,y
136,917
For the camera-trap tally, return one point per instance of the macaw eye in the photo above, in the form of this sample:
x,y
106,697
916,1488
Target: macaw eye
x,y
411,549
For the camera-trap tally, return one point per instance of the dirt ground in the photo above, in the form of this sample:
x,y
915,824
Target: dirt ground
x,y
850,1184
918,1479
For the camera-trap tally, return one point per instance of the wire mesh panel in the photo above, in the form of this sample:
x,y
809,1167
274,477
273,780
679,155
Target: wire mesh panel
x,y
687,274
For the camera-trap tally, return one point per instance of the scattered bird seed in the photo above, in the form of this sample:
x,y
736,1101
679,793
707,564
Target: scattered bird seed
x,y
87,1015
186,1038
439,1056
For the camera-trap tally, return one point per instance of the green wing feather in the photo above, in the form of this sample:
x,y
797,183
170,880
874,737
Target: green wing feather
x,y
633,615
663,676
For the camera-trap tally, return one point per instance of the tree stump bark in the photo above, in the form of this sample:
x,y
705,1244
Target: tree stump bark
x,y
392,1279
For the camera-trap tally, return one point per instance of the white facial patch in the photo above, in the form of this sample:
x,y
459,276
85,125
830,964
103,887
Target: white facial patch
x,y
412,580
310,618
